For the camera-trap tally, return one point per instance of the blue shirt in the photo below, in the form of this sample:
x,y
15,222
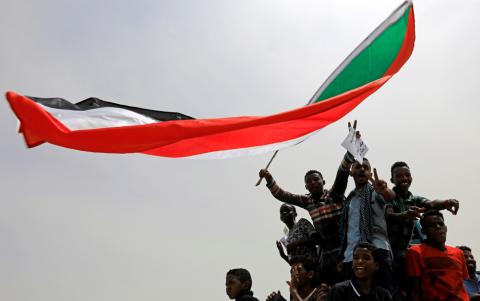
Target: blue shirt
x,y
472,286
379,225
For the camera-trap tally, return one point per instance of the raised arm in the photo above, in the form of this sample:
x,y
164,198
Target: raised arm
x,y
410,214
341,180
451,205
279,193
282,252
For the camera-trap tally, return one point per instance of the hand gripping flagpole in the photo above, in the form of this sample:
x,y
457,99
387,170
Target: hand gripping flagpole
x,y
268,165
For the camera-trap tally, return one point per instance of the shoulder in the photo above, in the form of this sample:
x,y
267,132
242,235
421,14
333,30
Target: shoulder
x,y
303,225
382,294
304,222
417,248
340,287
454,251
416,251
247,298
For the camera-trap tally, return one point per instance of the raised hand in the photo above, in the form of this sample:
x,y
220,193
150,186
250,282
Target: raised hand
x,y
281,251
381,186
452,205
322,292
378,184
354,127
263,173
293,290
275,296
413,212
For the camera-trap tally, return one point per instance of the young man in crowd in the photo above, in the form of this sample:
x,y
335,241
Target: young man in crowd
x,y
402,212
364,221
436,270
238,285
472,284
324,207
362,285
301,237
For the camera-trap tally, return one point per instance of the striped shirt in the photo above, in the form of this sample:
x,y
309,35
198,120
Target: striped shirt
x,y
324,212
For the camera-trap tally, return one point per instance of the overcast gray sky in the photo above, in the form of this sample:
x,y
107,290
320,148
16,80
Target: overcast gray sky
x,y
83,226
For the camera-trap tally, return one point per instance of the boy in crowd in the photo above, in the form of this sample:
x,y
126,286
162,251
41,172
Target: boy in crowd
x,y
304,285
324,207
472,284
402,212
362,285
436,270
364,221
301,237
238,285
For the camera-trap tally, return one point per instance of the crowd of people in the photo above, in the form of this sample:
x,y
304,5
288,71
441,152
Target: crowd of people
x,y
365,246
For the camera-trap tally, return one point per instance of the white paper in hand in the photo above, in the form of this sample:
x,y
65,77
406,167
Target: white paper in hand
x,y
355,145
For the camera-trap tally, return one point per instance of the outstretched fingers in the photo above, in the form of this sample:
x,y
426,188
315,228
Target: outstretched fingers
x,y
373,180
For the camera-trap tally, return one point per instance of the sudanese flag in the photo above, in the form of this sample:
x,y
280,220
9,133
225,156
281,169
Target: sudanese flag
x,y
95,125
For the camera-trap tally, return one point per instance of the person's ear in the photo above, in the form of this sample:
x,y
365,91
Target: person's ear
x,y
391,180
310,274
377,266
246,285
323,182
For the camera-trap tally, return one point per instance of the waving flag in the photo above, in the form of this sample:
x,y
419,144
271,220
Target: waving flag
x,y
99,126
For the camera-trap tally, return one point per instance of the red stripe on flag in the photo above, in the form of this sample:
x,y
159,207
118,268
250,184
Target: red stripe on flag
x,y
187,137
407,46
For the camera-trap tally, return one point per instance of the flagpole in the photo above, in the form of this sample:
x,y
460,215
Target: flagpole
x,y
268,165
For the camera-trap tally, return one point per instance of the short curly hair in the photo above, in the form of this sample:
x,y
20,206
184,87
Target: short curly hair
x,y
242,275
312,171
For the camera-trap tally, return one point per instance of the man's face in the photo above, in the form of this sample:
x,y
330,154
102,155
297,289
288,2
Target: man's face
x,y
299,275
470,261
401,178
361,172
363,264
233,286
314,183
435,229
287,214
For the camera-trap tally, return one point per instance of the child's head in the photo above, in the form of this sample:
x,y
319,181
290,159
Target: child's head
x,y
401,176
314,182
302,272
365,261
361,172
237,280
433,226
287,214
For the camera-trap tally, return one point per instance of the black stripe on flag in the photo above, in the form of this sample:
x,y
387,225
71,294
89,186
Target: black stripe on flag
x,y
95,103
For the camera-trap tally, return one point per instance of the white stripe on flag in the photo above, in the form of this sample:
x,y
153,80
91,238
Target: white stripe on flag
x,y
98,118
